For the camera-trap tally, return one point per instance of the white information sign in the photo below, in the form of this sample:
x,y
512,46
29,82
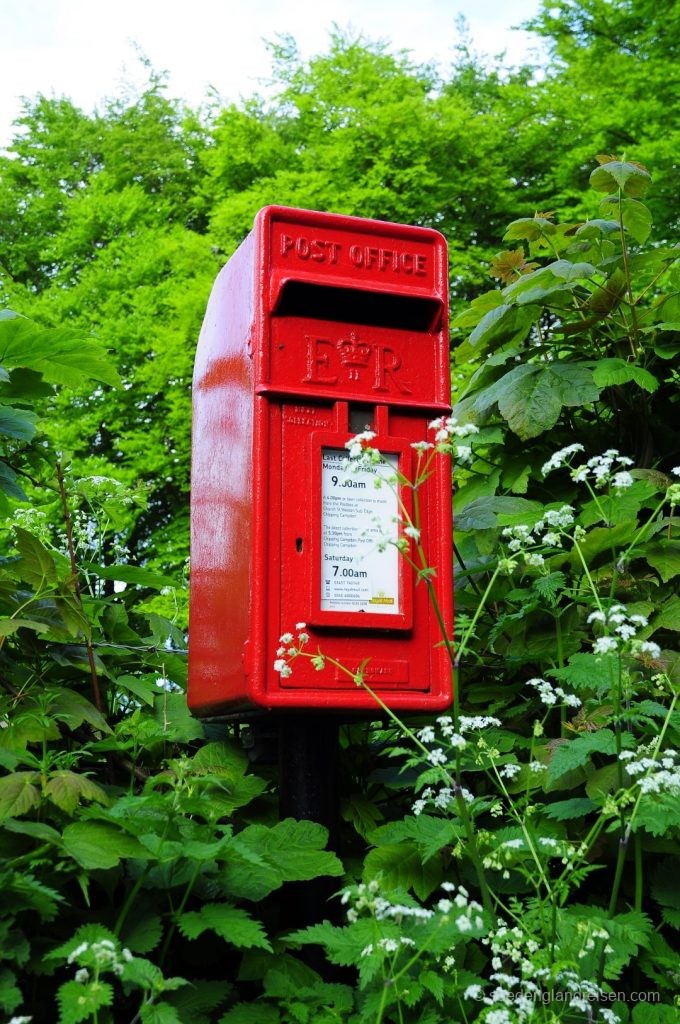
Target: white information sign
x,y
359,565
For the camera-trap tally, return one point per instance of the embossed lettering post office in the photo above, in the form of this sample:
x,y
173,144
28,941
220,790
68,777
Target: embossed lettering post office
x,y
318,327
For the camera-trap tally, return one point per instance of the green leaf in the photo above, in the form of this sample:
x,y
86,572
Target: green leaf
x,y
251,1013
98,844
294,848
17,423
9,483
584,672
66,789
143,688
159,1013
62,355
569,810
232,924
571,754
658,814
134,574
142,934
608,372
401,867
669,616
503,325
73,708
79,1002
631,179
37,565
664,556
488,513
655,1013
19,793
529,228
479,306
531,396
10,626
177,722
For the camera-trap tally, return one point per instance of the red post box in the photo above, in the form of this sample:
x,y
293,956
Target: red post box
x,y
318,326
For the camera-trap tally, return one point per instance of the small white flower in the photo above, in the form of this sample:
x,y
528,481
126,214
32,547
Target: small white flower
x,y
300,625
605,645
286,638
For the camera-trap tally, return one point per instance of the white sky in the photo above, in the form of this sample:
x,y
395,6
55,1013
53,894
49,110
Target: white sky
x,y
85,49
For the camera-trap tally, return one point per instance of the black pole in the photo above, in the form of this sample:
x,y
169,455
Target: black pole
x,y
309,791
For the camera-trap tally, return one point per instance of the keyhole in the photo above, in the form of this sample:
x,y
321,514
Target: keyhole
x,y
298,544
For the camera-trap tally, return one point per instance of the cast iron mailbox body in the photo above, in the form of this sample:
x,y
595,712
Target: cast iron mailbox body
x,y
318,326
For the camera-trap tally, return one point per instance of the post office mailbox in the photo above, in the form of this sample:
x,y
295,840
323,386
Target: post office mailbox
x,y
318,326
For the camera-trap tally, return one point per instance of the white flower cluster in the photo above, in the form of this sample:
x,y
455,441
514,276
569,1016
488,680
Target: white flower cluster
x,y
441,799
521,984
289,647
102,955
656,775
548,531
552,695
608,468
446,428
620,632
356,445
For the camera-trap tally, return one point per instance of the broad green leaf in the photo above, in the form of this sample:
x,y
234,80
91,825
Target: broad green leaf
x,y
9,483
664,556
295,848
669,616
658,814
66,789
143,688
73,708
219,758
631,179
19,793
503,325
597,227
607,372
135,574
479,306
38,565
401,867
531,396
575,753
655,1013
17,423
36,829
177,722
62,355
569,810
529,228
9,626
601,539
233,924
487,513
98,844
637,219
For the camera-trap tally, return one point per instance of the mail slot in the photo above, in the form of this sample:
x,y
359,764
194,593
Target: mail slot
x,y
318,327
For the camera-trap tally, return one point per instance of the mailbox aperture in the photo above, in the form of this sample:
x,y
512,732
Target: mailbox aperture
x,y
319,327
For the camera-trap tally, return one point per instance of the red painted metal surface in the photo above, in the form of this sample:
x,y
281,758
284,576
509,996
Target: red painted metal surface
x,y
317,326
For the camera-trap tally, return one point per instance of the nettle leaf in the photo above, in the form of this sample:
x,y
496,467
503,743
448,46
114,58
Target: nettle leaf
x,y
73,708
19,793
233,924
17,423
78,1002
10,626
584,672
531,396
294,848
669,616
159,1013
630,178
251,1013
575,753
608,372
